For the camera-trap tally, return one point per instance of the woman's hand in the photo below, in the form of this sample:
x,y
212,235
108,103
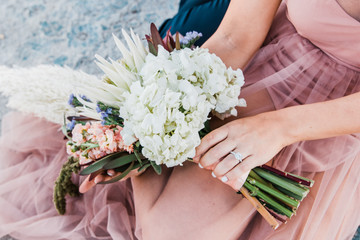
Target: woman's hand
x,y
257,139
87,184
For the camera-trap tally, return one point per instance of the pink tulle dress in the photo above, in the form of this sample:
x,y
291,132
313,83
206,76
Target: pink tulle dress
x,y
310,55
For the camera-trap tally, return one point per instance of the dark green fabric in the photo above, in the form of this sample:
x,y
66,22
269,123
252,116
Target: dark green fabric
x,y
203,16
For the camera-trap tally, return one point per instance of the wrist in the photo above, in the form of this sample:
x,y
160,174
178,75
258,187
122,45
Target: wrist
x,y
286,126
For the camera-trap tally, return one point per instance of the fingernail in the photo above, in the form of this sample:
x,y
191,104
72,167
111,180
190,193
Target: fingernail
x,y
110,173
98,179
224,179
213,174
200,166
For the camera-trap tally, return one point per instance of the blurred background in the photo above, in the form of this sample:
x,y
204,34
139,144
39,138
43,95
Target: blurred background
x,y
71,32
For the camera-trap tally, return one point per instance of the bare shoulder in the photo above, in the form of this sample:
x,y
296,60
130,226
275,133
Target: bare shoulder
x,y
352,7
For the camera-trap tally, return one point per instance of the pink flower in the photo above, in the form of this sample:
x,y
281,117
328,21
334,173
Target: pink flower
x,y
84,160
78,133
108,138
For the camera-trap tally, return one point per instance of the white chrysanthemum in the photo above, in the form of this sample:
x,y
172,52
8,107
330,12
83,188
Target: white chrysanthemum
x,y
43,90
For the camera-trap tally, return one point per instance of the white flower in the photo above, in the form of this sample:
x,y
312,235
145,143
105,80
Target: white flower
x,y
165,100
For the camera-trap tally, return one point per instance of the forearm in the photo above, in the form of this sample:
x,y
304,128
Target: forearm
x,y
320,120
242,31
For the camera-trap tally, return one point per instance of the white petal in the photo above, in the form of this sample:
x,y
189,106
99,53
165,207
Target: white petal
x,y
114,76
103,61
138,60
125,52
126,75
139,44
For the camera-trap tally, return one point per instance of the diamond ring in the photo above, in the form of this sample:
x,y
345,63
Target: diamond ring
x,y
237,156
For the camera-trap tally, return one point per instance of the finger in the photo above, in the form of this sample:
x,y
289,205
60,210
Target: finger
x,y
239,182
212,157
228,163
99,178
237,176
86,185
105,178
210,140
111,172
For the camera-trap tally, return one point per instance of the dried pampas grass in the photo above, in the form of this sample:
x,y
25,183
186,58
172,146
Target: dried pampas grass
x,y
43,90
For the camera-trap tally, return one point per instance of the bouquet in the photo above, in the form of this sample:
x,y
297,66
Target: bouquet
x,y
151,109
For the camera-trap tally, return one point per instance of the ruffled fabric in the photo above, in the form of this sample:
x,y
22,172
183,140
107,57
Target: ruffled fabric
x,y
186,202
292,71
32,152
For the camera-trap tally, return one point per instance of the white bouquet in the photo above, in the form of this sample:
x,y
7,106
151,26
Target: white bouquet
x,y
163,97
150,109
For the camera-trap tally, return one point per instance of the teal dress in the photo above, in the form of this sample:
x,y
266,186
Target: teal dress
x,y
203,16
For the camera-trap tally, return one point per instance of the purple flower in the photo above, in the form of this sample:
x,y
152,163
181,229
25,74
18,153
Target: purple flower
x,y
109,111
71,99
190,36
85,98
98,109
104,115
70,126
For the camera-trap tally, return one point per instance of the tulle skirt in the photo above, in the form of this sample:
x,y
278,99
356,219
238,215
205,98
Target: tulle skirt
x,y
186,202
32,152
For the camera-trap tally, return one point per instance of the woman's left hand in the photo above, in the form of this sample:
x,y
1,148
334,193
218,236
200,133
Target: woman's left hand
x,y
255,140
87,184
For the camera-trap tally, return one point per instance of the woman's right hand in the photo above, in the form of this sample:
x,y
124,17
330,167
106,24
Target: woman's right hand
x,y
255,139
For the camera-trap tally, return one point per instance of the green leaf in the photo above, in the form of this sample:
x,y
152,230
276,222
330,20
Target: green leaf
x,y
156,167
94,174
65,132
120,161
99,164
144,167
207,126
152,49
139,156
122,175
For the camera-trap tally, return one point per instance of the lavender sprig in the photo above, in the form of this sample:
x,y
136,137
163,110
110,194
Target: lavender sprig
x,y
189,39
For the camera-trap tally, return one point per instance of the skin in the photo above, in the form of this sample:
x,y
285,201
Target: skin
x,y
259,138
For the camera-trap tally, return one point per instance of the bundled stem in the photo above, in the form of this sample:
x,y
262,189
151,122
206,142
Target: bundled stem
x,y
282,182
260,208
256,192
293,177
280,196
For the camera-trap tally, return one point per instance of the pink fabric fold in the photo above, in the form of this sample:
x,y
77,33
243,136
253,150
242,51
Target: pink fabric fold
x,y
32,152
186,202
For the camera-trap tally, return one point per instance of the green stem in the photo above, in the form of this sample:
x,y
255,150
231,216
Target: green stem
x,y
290,194
285,199
258,178
282,182
258,193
